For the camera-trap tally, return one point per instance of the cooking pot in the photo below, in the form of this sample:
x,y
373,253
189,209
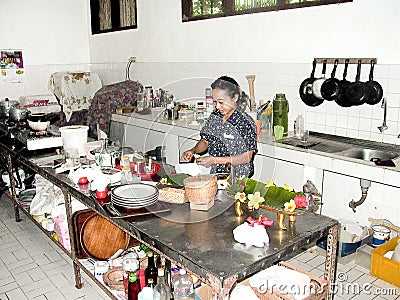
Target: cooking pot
x,y
341,98
18,114
40,121
316,86
5,106
305,90
330,87
375,87
357,92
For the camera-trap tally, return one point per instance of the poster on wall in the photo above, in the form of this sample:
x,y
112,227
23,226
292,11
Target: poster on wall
x,y
12,66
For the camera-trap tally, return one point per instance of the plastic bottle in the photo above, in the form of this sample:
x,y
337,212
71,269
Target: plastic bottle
x,y
162,288
183,286
148,294
299,126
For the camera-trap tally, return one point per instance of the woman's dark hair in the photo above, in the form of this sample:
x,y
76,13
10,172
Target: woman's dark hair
x,y
228,84
232,87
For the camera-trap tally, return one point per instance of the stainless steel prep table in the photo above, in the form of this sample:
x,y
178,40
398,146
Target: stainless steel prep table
x,y
205,248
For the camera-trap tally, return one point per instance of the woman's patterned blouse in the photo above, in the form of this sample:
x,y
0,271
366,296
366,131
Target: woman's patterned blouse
x,y
235,136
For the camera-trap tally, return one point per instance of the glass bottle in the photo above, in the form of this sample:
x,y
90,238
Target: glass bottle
x,y
133,286
183,286
104,159
162,287
151,270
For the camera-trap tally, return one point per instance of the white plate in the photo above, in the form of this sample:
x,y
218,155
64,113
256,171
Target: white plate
x,y
135,191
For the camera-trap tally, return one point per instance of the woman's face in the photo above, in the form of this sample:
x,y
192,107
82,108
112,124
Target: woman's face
x,y
223,103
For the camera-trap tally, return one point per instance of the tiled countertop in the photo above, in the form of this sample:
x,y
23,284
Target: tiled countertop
x,y
268,147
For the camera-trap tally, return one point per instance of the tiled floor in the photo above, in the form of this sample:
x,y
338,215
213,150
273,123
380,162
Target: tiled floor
x,y
33,268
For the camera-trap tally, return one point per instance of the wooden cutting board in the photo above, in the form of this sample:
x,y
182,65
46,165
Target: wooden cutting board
x,y
100,238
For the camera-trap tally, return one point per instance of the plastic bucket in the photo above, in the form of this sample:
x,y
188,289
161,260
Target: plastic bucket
x,y
381,234
75,136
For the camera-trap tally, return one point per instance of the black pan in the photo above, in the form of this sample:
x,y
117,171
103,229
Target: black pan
x,y
341,98
306,93
357,92
330,87
376,88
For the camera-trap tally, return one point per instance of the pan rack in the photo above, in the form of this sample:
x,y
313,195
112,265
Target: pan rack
x,y
342,60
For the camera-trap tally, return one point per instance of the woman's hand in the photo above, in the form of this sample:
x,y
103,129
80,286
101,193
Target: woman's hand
x,y
187,155
206,161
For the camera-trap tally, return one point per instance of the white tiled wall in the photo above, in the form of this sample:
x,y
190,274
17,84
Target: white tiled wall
x,y
185,78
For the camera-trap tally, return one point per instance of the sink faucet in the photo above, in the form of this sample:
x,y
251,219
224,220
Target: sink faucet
x,y
384,106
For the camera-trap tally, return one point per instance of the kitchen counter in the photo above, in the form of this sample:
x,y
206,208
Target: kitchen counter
x,y
207,247
268,147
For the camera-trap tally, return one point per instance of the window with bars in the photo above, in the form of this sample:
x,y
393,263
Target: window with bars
x,y
112,15
204,9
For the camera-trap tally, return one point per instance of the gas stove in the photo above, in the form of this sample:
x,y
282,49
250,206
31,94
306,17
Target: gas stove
x,y
35,140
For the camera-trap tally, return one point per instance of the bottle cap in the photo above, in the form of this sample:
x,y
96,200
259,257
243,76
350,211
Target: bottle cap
x,y
150,253
182,272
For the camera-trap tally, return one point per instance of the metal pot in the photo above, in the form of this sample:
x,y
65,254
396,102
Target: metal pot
x,y
316,86
358,92
5,106
376,88
306,93
18,114
341,98
330,87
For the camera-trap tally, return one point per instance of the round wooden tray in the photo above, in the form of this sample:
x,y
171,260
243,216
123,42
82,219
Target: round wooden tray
x,y
100,238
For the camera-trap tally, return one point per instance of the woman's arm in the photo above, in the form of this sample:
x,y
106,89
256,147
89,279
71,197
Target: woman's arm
x,y
235,160
200,147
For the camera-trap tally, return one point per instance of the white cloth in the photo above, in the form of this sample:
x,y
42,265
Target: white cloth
x,y
246,234
75,90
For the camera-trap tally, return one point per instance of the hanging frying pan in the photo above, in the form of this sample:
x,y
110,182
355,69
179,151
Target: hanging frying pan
x,y
376,88
305,90
357,92
341,99
316,87
330,87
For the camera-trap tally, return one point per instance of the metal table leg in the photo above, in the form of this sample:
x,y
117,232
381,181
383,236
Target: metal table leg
x,y
330,262
221,290
13,188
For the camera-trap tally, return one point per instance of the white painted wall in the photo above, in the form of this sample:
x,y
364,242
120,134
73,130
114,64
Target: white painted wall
x,y
362,28
49,32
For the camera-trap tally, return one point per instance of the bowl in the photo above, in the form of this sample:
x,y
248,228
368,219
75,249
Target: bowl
x,y
39,125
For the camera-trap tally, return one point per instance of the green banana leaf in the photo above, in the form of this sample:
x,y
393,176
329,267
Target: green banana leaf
x,y
274,196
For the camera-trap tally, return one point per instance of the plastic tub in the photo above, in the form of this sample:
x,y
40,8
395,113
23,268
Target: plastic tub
x,y
75,136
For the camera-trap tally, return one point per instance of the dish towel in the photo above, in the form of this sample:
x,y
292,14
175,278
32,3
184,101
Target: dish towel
x,y
74,90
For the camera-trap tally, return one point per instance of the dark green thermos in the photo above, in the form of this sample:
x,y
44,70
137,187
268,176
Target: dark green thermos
x,y
280,112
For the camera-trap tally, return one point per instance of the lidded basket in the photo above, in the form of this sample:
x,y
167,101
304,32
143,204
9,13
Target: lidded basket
x,y
200,189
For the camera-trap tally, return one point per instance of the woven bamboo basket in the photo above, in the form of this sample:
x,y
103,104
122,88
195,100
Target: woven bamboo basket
x,y
200,189
172,195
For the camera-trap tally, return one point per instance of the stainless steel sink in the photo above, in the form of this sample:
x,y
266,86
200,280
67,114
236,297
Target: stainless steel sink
x,y
347,147
369,154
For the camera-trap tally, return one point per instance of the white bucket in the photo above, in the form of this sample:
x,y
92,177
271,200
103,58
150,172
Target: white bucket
x,y
75,136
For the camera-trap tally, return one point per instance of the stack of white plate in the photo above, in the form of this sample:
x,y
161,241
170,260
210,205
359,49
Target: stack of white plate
x,y
134,195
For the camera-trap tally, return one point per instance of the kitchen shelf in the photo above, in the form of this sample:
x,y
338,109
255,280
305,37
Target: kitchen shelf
x,y
342,60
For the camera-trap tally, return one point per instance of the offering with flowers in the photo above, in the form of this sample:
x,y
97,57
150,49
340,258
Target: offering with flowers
x,y
283,200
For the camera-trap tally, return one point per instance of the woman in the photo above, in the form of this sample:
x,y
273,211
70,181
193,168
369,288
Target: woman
x,y
229,133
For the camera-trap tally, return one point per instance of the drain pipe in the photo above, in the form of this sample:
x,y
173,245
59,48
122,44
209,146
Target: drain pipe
x,y
365,184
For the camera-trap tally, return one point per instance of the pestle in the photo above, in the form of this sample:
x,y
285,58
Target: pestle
x,y
250,80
